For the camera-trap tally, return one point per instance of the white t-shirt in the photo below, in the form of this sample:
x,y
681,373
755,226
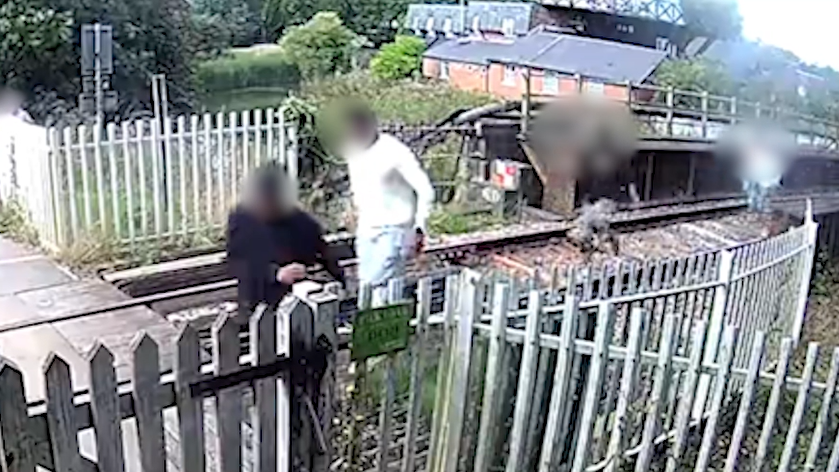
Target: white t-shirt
x,y
389,186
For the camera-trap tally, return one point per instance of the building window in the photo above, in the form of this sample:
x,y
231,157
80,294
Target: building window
x,y
416,26
551,84
626,28
444,70
509,75
447,28
662,44
508,27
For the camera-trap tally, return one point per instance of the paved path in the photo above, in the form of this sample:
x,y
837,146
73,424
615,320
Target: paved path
x,y
35,287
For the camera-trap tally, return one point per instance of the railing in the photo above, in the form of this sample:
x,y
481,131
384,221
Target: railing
x,y
152,181
602,367
672,113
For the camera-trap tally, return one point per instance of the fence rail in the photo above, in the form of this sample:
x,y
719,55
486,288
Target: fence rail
x,y
151,181
670,112
599,370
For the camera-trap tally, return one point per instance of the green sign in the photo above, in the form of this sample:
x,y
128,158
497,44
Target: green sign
x,y
381,331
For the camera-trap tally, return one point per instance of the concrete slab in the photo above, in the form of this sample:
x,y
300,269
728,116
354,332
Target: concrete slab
x,y
14,310
29,275
29,349
12,250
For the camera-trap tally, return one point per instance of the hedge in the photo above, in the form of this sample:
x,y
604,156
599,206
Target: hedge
x,y
241,71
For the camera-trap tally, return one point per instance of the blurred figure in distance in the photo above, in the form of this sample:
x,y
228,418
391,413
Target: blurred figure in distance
x,y
270,241
392,196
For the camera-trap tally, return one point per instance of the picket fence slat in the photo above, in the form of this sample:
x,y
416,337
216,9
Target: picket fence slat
x,y
225,334
685,407
492,394
799,409
190,410
469,299
60,417
630,367
145,380
662,373
602,336
394,294
559,394
17,451
417,371
824,412
440,413
774,399
729,339
745,402
105,409
527,378
263,335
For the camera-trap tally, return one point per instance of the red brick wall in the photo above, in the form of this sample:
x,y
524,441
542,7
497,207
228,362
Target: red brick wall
x,y
491,79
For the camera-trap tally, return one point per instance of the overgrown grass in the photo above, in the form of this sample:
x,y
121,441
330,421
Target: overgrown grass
x,y
407,101
14,223
448,220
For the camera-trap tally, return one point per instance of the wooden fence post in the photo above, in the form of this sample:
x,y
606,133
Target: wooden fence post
x,y
715,328
17,446
806,272
324,305
469,304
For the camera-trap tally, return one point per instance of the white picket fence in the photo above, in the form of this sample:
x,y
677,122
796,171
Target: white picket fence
x,y
143,180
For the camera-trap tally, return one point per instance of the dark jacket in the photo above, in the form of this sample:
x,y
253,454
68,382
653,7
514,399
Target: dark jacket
x,y
256,250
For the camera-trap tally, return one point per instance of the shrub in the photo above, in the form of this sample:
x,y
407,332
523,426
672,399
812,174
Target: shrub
x,y
400,59
244,70
321,47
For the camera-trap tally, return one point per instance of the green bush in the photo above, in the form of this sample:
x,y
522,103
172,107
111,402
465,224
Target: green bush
x,y
400,59
322,46
247,70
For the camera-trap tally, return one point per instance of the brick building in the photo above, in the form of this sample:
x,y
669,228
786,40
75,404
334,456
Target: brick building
x,y
556,63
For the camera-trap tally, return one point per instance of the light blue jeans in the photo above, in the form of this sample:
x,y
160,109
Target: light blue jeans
x,y
382,256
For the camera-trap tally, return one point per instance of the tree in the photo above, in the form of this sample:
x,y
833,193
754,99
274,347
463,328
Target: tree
x,y
235,22
399,59
694,75
30,39
321,47
719,19
150,37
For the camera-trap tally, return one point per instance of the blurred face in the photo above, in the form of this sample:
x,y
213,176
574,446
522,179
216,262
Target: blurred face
x,y
362,133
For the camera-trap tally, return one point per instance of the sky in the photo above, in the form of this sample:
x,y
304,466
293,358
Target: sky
x,y
807,28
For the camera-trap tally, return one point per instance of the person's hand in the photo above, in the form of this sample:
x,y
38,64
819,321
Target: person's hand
x,y
291,273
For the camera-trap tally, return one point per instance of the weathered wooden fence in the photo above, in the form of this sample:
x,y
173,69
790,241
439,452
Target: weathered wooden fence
x,y
152,180
601,369
222,409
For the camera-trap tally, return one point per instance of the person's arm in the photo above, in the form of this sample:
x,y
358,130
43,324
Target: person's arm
x,y
409,167
245,261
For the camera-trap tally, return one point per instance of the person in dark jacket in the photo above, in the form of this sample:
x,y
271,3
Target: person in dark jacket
x,y
270,242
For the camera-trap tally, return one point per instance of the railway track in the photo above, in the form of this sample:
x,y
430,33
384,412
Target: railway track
x,y
203,280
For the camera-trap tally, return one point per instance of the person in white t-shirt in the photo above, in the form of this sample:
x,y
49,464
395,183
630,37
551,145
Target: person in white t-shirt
x,y
392,196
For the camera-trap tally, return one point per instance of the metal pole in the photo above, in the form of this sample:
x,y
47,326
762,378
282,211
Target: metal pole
x,y
97,55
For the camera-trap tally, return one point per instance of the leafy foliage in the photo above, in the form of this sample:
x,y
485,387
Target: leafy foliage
x,y
407,102
30,37
370,18
244,70
234,23
717,18
321,47
696,75
400,59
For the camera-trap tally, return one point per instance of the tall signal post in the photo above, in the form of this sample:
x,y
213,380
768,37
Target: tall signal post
x,y
97,70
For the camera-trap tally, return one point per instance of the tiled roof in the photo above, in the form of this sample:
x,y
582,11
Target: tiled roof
x,y
589,57
491,16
